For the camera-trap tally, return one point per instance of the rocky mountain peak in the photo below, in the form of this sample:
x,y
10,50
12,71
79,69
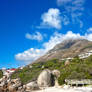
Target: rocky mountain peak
x,y
67,48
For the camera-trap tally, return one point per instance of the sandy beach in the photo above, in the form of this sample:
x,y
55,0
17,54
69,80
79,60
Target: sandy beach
x,y
57,89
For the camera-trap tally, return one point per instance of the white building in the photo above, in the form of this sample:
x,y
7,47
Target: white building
x,y
8,72
85,55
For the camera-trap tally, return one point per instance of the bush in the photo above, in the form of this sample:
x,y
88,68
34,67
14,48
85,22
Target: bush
x,y
1,74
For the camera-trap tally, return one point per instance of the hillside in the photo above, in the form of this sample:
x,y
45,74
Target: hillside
x,y
53,60
80,68
1,74
68,48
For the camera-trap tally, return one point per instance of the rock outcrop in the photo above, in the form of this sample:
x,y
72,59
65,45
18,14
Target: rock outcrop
x,y
67,62
56,75
32,86
11,85
48,78
67,49
44,79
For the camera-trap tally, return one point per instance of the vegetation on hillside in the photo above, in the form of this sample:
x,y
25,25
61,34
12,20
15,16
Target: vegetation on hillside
x,y
77,69
1,74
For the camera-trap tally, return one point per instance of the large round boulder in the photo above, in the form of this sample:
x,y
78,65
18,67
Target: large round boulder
x,y
44,79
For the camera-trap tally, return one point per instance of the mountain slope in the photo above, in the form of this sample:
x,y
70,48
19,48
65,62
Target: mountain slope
x,y
81,68
68,48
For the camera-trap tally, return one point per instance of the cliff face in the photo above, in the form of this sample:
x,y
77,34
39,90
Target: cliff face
x,y
68,48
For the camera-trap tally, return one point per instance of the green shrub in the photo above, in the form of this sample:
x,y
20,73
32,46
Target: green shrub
x,y
1,74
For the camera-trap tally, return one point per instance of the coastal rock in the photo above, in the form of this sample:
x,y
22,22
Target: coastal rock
x,y
11,85
16,82
44,79
32,86
67,62
12,88
56,74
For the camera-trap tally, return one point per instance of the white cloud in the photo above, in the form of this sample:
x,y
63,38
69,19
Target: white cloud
x,y
89,30
54,39
29,55
32,54
51,18
73,8
62,2
65,20
71,35
37,36
58,38
88,37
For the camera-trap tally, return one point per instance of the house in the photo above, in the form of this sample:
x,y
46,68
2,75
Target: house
x,y
8,72
85,55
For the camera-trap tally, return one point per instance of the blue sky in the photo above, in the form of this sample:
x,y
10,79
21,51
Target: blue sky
x,y
29,28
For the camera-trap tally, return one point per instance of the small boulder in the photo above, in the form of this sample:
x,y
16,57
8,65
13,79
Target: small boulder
x,y
56,74
12,88
32,86
67,62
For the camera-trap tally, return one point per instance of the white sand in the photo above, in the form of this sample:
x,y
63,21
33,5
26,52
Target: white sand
x,y
54,89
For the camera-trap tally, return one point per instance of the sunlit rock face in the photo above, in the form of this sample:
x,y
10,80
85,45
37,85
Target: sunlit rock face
x,y
44,79
11,85
32,86
67,49
47,78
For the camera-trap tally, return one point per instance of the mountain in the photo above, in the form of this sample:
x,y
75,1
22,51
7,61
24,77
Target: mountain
x,y
82,68
66,49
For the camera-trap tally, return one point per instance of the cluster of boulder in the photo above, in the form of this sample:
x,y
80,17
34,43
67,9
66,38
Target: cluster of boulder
x,y
46,78
11,85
